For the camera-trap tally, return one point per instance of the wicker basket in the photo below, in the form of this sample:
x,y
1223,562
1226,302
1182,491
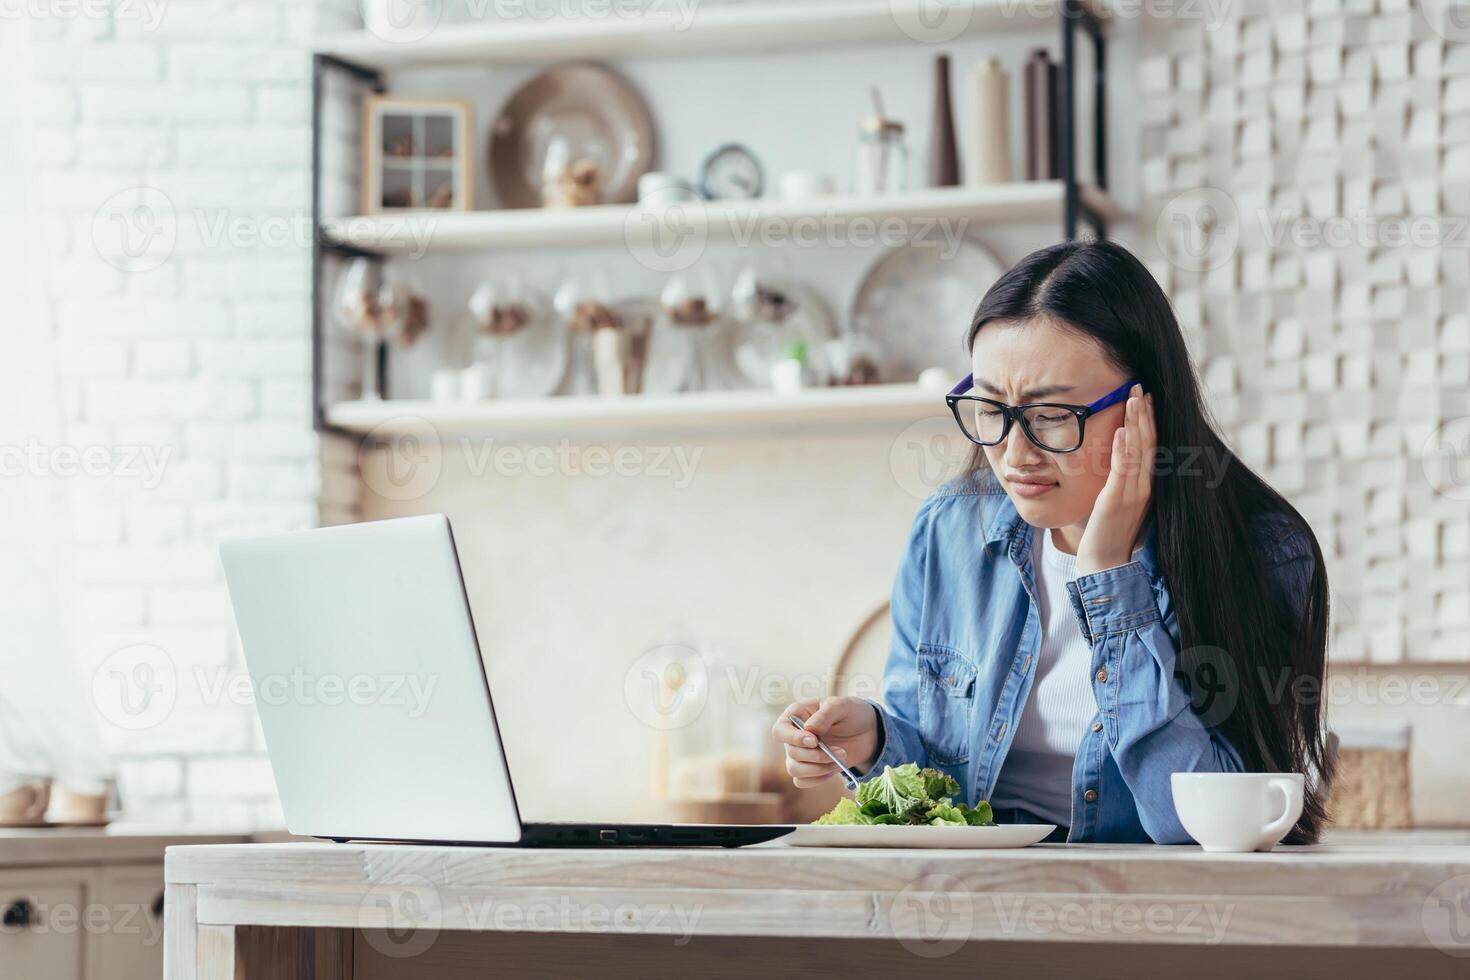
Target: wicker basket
x,y
1370,789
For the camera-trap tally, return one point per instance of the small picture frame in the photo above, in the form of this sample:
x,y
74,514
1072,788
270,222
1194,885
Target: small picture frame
x,y
416,155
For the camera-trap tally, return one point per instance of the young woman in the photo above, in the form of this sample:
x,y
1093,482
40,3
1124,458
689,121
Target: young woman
x,y
1110,596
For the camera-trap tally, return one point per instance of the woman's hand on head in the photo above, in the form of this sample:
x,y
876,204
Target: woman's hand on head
x,y
1122,505
849,726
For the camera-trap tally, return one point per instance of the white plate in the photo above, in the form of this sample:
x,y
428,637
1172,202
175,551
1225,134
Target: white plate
x,y
916,303
849,835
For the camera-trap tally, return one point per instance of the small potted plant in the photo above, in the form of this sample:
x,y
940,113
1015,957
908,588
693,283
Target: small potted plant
x,y
788,375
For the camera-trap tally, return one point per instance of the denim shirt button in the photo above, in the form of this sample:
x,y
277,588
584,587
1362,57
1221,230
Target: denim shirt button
x,y
1097,726
1102,675
1090,796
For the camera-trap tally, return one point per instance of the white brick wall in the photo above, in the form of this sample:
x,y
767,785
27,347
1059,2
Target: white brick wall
x,y
202,360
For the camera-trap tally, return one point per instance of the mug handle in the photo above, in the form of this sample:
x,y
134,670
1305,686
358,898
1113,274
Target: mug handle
x,y
1276,829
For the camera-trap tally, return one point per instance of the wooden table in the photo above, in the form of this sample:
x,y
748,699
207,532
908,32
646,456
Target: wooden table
x,y
1358,907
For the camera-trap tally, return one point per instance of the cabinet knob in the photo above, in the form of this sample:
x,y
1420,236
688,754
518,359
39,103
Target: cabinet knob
x,y
18,914
158,906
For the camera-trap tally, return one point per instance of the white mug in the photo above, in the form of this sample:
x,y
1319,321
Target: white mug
x,y
799,185
1238,811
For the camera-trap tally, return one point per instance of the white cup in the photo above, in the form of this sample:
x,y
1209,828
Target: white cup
x,y
1238,811
799,185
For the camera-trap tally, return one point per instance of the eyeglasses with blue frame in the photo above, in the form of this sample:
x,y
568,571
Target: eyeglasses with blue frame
x,y
1051,426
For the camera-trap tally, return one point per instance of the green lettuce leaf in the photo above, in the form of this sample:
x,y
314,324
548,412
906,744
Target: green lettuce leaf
x,y
939,785
943,813
900,790
978,816
909,795
845,812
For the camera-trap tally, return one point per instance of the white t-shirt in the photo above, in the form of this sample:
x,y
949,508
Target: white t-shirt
x,y
1037,772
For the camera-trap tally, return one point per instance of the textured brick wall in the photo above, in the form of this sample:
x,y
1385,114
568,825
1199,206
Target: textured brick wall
x,y
173,140
1304,174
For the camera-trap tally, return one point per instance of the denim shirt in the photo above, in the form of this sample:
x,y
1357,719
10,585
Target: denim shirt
x,y
966,633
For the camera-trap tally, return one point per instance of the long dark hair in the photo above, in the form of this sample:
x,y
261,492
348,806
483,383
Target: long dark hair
x,y
1231,613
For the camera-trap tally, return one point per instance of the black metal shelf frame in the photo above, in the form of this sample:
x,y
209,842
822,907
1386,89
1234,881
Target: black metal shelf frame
x,y
1075,15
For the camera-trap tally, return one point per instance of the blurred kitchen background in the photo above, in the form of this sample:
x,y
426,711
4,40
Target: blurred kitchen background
x,y
681,435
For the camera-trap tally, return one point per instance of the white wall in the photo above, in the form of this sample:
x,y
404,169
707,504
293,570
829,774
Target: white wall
x,y
194,350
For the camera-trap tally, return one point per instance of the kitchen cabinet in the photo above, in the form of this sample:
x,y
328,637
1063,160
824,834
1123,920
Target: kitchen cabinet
x,y
85,904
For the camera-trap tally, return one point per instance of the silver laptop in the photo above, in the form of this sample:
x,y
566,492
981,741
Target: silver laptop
x,y
373,697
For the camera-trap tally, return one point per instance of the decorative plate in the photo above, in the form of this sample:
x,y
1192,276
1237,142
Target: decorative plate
x,y
580,112
916,303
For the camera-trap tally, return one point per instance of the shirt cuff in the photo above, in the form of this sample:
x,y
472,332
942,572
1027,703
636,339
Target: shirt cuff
x,y
1114,600
885,744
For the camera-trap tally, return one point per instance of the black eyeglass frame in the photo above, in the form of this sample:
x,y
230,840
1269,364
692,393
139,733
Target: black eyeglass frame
x,y
1016,413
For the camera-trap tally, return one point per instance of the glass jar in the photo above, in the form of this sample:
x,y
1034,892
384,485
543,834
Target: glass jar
x,y
882,162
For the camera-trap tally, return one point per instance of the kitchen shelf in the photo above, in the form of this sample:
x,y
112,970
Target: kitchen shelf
x,y
417,232
757,26
703,411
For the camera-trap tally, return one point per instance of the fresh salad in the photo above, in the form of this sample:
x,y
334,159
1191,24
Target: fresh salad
x,y
909,796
